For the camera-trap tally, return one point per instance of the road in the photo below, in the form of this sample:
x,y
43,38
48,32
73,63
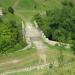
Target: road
x,y
35,37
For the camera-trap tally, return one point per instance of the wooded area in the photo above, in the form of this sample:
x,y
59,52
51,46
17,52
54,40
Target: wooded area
x,y
59,24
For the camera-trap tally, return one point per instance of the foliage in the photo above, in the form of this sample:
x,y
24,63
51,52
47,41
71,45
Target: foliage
x,y
73,47
11,10
59,23
10,33
0,19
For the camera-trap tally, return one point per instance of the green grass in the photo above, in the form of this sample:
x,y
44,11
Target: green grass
x,y
27,14
65,70
29,57
54,52
26,57
6,3
33,72
29,8
38,4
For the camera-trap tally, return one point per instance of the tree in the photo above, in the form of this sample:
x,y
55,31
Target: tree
x,y
73,47
1,19
11,10
68,2
59,21
59,36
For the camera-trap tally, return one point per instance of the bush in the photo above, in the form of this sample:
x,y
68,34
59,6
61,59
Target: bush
x,y
73,47
11,10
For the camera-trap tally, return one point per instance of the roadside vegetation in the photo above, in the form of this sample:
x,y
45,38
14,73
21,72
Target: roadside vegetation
x,y
11,38
59,24
53,56
31,7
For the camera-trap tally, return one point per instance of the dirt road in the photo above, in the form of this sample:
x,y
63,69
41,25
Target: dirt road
x,y
35,37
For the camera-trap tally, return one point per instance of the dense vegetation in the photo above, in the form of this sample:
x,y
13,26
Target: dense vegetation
x,y
10,32
59,24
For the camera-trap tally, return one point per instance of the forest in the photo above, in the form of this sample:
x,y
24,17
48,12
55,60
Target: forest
x,y
58,24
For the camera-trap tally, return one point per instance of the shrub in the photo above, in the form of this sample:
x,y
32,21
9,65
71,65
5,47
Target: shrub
x,y
11,10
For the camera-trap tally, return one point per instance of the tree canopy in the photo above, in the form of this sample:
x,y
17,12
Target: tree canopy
x,y
11,38
59,23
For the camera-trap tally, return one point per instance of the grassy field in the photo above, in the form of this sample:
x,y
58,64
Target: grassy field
x,y
6,3
34,72
24,58
52,56
38,4
29,8
70,70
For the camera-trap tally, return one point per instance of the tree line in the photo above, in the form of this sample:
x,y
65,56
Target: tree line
x,y
10,32
59,24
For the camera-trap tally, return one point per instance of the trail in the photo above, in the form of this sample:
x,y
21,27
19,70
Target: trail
x,y
10,62
35,37
26,69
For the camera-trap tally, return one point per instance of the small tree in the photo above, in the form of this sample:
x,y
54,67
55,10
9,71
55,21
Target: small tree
x,y
13,24
73,47
1,19
68,3
11,10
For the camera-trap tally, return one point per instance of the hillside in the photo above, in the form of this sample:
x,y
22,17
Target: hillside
x,y
38,4
37,37
6,3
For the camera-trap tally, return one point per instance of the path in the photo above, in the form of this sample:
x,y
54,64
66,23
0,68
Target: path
x,y
10,62
35,37
26,69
